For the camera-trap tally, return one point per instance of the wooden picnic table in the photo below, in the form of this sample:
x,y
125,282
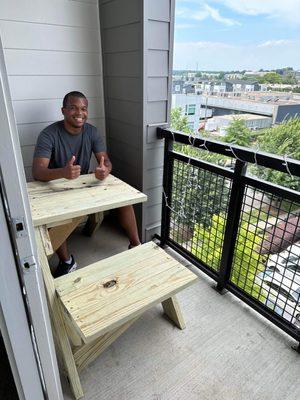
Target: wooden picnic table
x,y
93,306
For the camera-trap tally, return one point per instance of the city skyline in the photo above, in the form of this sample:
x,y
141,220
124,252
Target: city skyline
x,y
236,34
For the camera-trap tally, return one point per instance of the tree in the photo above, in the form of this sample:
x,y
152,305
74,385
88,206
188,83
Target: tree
x,y
195,191
289,79
238,133
179,121
270,77
283,139
207,246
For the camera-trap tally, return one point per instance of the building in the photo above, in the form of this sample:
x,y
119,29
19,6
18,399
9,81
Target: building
x,y
223,87
279,106
192,107
252,122
240,85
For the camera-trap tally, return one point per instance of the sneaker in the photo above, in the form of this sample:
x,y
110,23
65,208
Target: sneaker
x,y
64,268
131,246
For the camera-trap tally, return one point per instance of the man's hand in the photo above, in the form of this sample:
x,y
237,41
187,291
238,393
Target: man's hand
x,y
71,171
101,171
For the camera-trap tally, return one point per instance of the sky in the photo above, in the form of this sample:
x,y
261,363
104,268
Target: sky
x,y
223,35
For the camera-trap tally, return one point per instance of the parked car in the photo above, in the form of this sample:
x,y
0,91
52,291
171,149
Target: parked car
x,y
283,292
288,259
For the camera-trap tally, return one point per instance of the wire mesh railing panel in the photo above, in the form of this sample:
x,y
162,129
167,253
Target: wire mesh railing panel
x,y
266,262
198,211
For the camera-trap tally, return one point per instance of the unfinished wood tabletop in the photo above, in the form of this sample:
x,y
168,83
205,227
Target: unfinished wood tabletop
x,y
110,292
63,199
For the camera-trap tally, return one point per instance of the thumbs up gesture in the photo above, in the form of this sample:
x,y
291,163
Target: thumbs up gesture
x,y
71,171
101,171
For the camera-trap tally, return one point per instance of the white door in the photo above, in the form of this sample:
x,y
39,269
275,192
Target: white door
x,y
24,318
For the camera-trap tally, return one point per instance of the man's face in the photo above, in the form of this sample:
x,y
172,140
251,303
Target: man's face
x,y
75,113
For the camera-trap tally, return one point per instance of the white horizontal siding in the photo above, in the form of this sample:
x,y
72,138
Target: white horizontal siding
x,y
28,133
28,62
51,48
29,111
55,12
23,35
33,87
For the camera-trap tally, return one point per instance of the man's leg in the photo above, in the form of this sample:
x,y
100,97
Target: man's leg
x,y
62,252
66,263
127,221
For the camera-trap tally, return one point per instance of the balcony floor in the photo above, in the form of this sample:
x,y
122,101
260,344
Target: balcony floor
x,y
227,350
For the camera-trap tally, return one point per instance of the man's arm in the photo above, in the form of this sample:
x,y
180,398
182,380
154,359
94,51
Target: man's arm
x,y
41,172
104,165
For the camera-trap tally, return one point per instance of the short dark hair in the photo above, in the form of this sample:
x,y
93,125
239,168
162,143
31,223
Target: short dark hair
x,y
72,94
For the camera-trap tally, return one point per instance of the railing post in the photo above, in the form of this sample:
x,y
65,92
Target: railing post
x,y
167,190
232,224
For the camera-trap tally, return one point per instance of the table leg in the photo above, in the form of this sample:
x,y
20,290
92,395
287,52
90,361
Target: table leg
x,y
56,313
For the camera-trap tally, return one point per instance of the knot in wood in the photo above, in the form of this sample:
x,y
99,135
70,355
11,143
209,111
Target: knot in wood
x,y
109,284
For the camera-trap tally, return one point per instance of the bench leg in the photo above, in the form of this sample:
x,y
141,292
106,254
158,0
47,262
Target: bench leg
x,y
173,311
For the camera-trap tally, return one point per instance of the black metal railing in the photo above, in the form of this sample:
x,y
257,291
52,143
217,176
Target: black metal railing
x,y
241,231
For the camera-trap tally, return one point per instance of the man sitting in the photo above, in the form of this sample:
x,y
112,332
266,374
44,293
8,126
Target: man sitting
x,y
64,150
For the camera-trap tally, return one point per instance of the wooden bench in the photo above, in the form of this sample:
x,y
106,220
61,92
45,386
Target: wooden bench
x,y
96,304
108,293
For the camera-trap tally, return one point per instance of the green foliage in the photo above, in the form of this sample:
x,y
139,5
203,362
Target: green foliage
x,y
193,196
283,139
197,194
270,77
179,121
238,133
208,245
289,79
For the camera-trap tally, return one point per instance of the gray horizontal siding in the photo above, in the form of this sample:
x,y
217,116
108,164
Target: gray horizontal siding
x,y
122,38
122,64
159,10
124,111
153,178
124,89
126,133
51,48
158,32
137,50
158,63
157,89
158,35
112,17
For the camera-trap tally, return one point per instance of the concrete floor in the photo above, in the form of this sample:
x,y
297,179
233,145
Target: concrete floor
x,y
227,350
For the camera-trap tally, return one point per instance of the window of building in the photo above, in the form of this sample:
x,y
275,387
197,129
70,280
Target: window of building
x,y
191,125
191,109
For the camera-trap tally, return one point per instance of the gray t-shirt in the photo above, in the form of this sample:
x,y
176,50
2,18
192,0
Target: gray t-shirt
x,y
55,143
